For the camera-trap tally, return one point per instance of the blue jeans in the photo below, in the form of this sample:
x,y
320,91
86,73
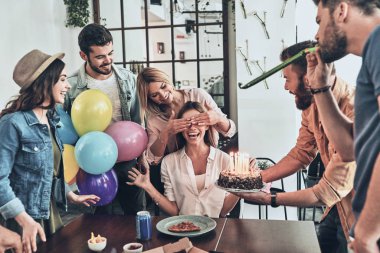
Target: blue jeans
x,y
330,234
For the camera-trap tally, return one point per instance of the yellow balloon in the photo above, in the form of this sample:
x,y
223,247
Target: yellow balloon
x,y
91,111
70,165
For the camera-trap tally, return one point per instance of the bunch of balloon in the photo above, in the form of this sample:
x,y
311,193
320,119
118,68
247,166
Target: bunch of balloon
x,y
95,151
131,139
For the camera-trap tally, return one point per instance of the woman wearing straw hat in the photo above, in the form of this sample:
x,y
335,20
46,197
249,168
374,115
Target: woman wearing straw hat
x,y
30,150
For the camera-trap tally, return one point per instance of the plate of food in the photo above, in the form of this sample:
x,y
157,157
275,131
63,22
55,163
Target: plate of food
x,y
186,225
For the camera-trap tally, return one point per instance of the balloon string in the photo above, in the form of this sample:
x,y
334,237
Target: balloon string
x,y
277,68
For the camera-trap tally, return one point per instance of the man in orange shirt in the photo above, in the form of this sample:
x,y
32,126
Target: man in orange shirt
x,y
335,187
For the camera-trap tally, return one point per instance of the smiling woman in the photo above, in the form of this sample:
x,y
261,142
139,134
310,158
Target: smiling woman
x,y
28,136
189,174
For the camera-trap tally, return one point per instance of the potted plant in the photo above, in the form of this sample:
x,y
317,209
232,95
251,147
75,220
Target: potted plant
x,y
77,12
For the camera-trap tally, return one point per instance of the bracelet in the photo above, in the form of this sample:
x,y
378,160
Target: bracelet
x,y
156,200
273,199
320,90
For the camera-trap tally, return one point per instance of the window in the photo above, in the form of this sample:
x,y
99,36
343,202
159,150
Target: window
x,y
187,39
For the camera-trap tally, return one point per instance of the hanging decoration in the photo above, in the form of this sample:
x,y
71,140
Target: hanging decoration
x,y
243,9
245,58
283,8
262,21
262,69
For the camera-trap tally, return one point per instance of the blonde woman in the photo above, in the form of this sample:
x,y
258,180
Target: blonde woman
x,y
160,103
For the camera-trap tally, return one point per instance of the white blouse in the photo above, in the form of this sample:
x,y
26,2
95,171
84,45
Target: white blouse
x,y
178,176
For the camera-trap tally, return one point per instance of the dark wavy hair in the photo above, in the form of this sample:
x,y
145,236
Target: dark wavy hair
x,y
367,6
93,35
191,105
40,90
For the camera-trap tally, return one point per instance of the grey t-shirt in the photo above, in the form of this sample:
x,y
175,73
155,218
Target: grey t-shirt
x,y
367,119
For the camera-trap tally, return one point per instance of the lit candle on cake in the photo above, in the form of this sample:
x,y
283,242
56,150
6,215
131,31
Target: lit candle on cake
x,y
232,167
236,162
239,163
239,175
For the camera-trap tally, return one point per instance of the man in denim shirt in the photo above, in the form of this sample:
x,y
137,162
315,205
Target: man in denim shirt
x,y
119,84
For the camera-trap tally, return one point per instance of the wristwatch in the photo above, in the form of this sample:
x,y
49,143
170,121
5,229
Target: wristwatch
x,y
273,199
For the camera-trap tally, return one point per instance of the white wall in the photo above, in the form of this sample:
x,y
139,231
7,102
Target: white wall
x,y
267,116
268,119
29,25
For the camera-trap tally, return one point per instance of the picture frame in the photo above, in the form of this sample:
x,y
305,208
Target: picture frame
x,y
160,48
182,56
156,2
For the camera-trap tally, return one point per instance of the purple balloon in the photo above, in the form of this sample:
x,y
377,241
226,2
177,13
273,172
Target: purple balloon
x,y
104,185
131,139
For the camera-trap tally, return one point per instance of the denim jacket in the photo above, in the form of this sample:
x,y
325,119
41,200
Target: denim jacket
x,y
26,164
130,105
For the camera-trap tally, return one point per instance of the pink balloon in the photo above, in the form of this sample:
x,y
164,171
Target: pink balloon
x,y
131,139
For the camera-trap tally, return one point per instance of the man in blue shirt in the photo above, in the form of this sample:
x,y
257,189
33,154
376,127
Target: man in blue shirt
x,y
99,72
353,27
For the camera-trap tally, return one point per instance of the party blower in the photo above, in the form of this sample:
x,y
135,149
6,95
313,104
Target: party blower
x,y
277,68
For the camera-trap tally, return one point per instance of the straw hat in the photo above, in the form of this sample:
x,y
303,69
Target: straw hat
x,y
30,67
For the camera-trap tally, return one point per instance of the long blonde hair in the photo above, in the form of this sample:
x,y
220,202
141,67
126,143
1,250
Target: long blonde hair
x,y
144,78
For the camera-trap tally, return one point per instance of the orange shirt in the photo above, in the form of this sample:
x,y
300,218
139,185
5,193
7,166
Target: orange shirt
x,y
336,185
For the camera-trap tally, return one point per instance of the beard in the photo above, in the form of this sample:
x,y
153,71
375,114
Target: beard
x,y
98,69
303,97
335,45
303,102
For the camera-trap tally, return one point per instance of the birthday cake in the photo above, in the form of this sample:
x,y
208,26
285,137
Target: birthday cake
x,y
244,181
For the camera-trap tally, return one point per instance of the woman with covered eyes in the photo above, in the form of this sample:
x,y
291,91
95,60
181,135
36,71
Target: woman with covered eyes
x,y
190,173
30,150
160,103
